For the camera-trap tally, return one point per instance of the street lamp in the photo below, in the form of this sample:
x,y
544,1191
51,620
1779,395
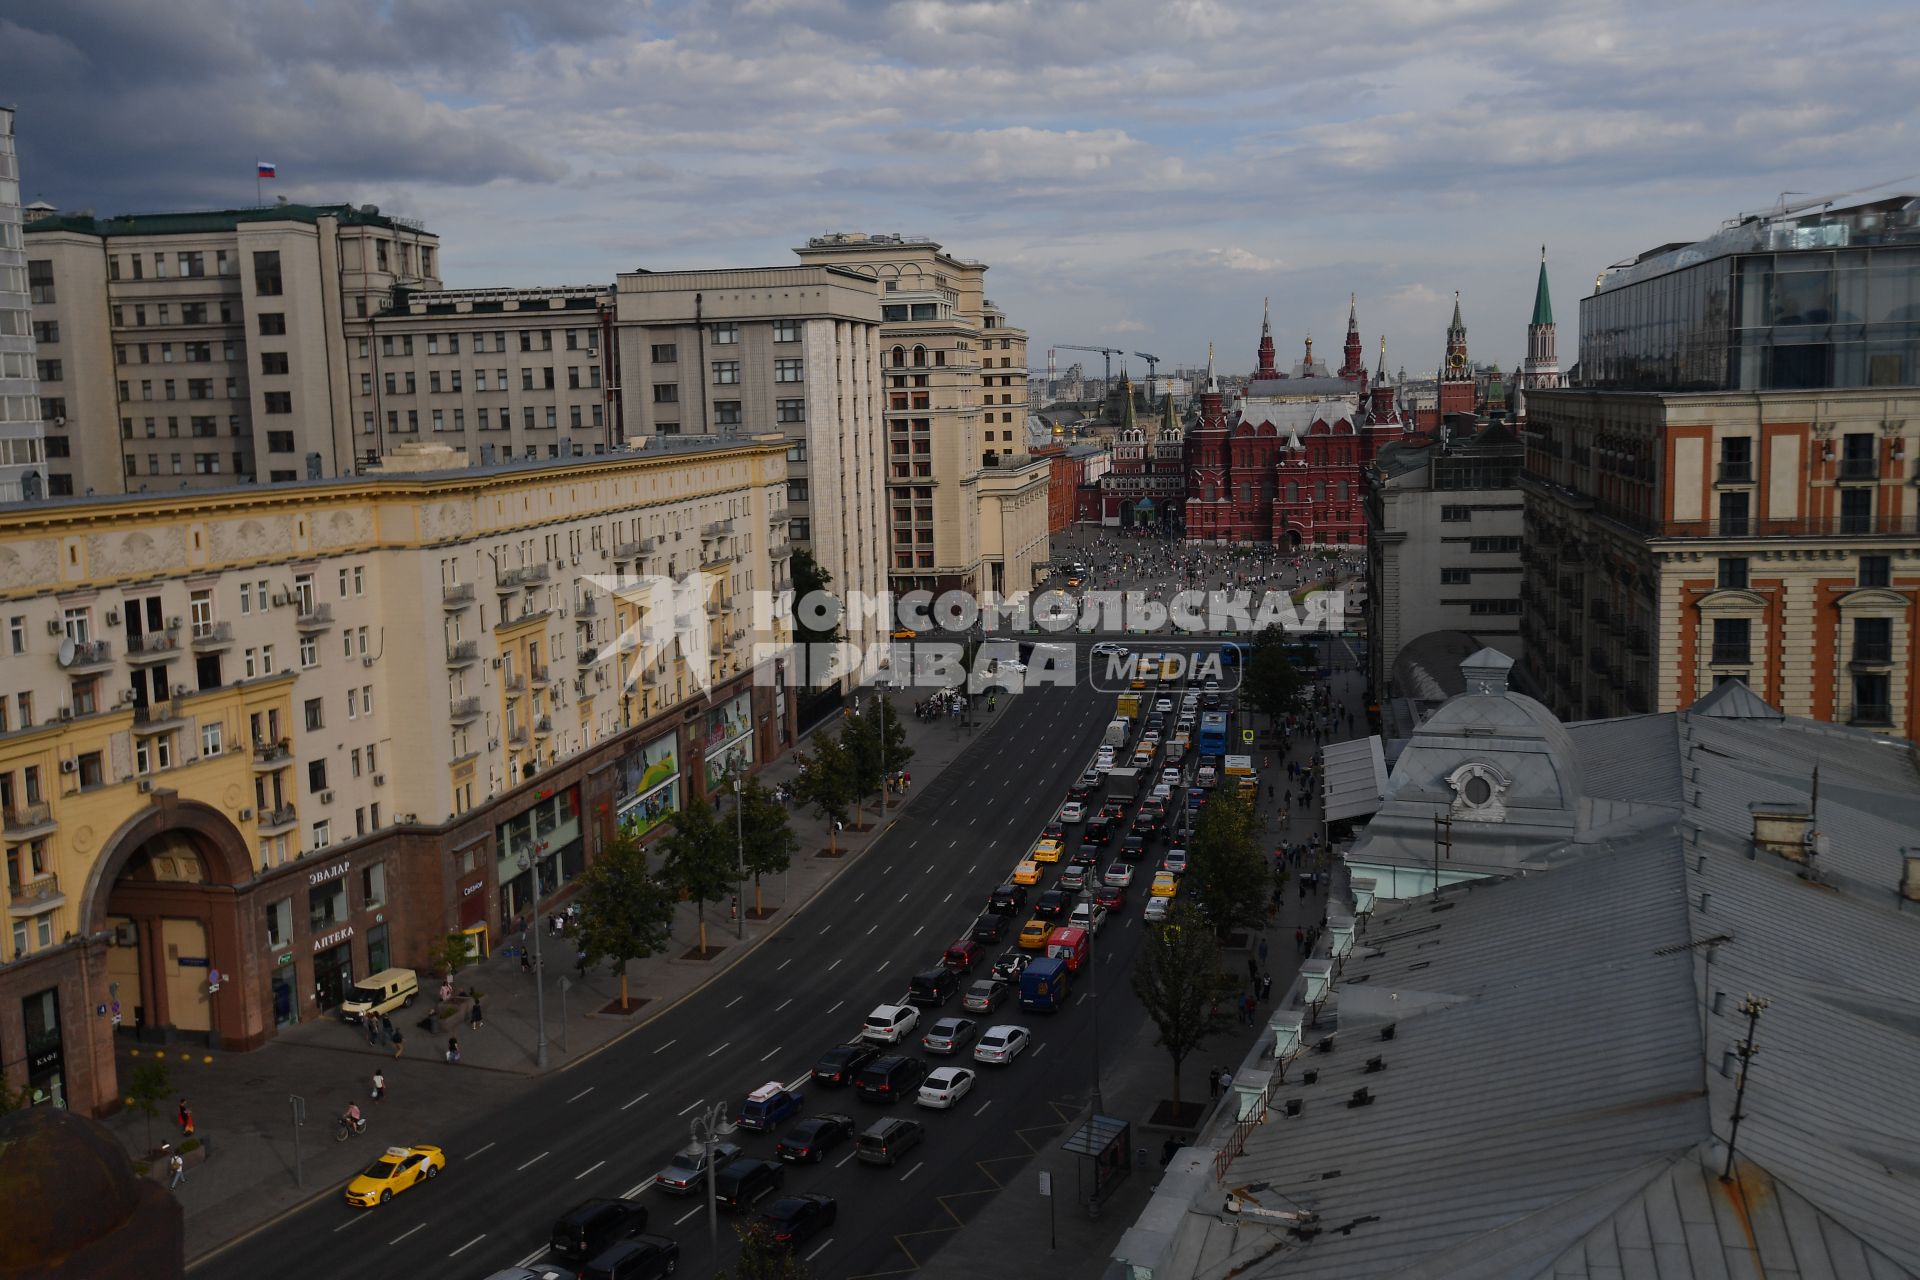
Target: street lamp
x,y
539,974
709,1127
1093,993
734,771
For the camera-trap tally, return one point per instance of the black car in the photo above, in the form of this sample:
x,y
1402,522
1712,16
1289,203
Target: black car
x,y
840,1064
988,929
1053,831
1008,899
1052,905
641,1258
1099,831
585,1230
791,1221
739,1184
891,1078
1083,857
813,1137
1083,787
1133,849
932,988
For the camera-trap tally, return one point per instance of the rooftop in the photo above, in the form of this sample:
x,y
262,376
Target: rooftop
x,y
199,222
1889,220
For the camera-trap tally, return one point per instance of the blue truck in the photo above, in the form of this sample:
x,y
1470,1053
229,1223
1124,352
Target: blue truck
x,y
1044,985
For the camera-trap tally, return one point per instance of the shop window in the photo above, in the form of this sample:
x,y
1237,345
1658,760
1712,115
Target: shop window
x,y
327,906
279,924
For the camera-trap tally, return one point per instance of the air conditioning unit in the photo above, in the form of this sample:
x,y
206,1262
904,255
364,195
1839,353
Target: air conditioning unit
x,y
379,779
493,744
66,713
496,664
245,815
69,766
175,623
326,797
143,786
179,691
280,599
113,617
54,626
126,698
367,661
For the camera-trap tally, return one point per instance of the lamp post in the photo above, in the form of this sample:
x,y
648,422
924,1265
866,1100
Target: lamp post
x,y
739,853
709,1127
1093,993
539,974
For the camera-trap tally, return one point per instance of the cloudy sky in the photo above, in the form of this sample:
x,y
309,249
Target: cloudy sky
x,y
1138,173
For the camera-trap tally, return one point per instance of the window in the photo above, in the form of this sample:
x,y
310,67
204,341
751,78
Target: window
x,y
1733,572
1873,640
17,633
1856,510
92,770
316,718
787,371
727,412
1733,513
668,429
279,924
353,704
274,323
326,903
797,451
373,879
1484,545
266,274
666,393
1496,608
1731,641
726,372
309,652
1736,460
1455,577
726,334
665,352
279,401
279,442
316,775
800,530
1456,514
1857,458
1872,698
39,280
786,331
1876,571
796,491
790,410
271,362
50,370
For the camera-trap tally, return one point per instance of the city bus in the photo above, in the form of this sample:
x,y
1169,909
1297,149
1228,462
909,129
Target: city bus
x,y
1233,653
1213,733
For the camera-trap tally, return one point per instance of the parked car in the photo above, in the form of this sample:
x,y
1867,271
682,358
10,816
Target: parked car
x,y
949,1035
888,1023
813,1137
687,1170
1011,964
743,1182
589,1227
988,929
637,1258
767,1106
1073,811
944,1087
1111,896
890,1078
1008,899
1001,1044
885,1141
791,1221
961,956
1119,873
1073,877
838,1065
932,988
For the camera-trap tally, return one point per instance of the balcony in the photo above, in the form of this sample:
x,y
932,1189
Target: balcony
x,y
543,727
25,821
155,646
156,718
1870,713
717,529
780,551
464,710
514,683
1734,473
31,897
272,755
517,738
90,655
635,549
1732,655
211,637
314,617
542,676
274,821
1855,470
526,575
588,655
1877,653
587,607
456,595
463,653
715,608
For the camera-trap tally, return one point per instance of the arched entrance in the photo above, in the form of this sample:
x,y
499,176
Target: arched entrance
x,y
165,890
1293,538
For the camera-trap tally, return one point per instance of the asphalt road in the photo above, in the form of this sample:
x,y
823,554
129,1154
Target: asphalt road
x,y
603,1127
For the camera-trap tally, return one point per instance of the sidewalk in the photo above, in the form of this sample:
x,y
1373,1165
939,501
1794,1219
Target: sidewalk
x,y
241,1102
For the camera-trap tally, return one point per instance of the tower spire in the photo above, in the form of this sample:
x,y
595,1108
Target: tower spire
x,y
1542,365
1353,364
1263,366
1542,302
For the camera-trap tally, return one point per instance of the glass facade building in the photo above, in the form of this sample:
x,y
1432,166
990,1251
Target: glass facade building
x,y
22,447
1823,300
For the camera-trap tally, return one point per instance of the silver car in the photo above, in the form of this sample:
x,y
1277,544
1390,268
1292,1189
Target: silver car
x,y
687,1171
949,1035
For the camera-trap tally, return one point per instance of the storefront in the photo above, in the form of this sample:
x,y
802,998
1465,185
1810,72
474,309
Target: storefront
x,y
280,989
727,742
546,839
46,1051
379,954
332,967
649,787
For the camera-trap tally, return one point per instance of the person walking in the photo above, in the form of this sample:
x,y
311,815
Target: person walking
x,y
1213,1082
453,1050
178,1168
1300,940
185,1118
1263,952
379,1085
399,1043
373,1031
1253,969
386,1029
475,1018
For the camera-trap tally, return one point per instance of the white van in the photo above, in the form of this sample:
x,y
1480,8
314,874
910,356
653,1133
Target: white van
x,y
381,992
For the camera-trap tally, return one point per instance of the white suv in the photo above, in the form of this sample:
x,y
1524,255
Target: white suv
x,y
1087,915
889,1023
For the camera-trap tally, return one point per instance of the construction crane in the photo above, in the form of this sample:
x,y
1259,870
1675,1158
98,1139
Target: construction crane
x,y
1108,352
1153,362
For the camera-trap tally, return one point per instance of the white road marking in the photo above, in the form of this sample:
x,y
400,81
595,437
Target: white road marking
x,y
736,1000
536,1160
952,844
770,1053
589,1169
724,1045
668,1045
947,899
836,1164
783,964
358,1217
637,1101
917,932
836,963
837,1005
822,1249
583,1093
903,1177
870,930
404,1234
824,928
468,1245
860,895
690,1106
784,1003
983,1107
804,1077
1037,1048
688,1214
532,1257
636,1189
888,868
903,897
970,870
482,1151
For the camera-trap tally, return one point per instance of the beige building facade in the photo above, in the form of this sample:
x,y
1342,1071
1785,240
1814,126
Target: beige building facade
x,y
1676,540
961,508
787,350
291,735
23,472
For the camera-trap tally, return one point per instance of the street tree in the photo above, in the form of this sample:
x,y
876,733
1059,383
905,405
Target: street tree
x,y
698,858
876,744
826,782
809,578
1275,679
1227,875
625,912
761,1258
765,833
1178,979
147,1088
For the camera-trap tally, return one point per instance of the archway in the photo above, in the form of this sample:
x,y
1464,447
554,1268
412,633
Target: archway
x,y
1293,538
165,892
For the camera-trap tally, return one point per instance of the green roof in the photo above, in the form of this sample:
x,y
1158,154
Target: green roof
x,y
203,221
1542,304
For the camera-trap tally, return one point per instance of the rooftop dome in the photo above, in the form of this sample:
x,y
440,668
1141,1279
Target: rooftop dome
x,y
74,1203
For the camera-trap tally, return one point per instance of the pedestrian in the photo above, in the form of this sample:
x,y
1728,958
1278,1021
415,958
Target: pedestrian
x,y
185,1118
1213,1083
386,1029
453,1049
475,1018
178,1168
1253,969
1263,952
399,1044
580,961
1300,940
379,1085
1226,1081
373,1031
733,913
1266,986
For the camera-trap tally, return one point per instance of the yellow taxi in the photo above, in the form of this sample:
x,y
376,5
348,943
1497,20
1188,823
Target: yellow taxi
x,y
1027,872
1046,851
1165,885
905,633
397,1169
1034,934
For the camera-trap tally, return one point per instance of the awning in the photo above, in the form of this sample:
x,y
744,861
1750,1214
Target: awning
x,y
1353,778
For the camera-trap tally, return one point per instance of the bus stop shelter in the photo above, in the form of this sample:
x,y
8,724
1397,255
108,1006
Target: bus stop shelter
x,y
1101,1144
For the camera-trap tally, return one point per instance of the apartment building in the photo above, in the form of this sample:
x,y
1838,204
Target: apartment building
x,y
1444,532
967,505
255,743
1727,490
23,472
200,349
787,350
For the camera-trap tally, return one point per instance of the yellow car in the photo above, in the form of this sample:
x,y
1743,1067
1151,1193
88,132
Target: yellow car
x,y
1027,873
396,1170
1034,934
1164,884
1046,851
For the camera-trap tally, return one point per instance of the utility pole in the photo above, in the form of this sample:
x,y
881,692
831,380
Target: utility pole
x,y
527,863
1752,1006
739,855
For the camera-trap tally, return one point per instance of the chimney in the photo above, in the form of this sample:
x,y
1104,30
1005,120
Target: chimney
x,y
1486,671
1781,828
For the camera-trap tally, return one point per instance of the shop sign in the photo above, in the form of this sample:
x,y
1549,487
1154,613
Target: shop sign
x,y
283,960
42,1060
326,940
327,873
473,888
192,962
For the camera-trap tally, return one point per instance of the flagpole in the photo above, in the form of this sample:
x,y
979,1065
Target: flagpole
x,y
259,197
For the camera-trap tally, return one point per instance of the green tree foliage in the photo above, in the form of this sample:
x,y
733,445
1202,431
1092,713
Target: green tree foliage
x,y
1227,876
766,834
147,1088
827,782
625,911
808,578
1178,979
761,1259
1278,672
449,952
698,858
876,745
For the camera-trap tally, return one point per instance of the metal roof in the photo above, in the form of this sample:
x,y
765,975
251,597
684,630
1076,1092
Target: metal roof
x,y
1353,777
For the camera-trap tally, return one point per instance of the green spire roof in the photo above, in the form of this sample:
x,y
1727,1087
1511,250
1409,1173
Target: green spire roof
x,y
1542,304
1127,422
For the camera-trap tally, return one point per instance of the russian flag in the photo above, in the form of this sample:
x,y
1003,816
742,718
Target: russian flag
x,y
263,169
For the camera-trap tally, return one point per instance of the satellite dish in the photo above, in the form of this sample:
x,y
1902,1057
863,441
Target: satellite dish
x,y
66,651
